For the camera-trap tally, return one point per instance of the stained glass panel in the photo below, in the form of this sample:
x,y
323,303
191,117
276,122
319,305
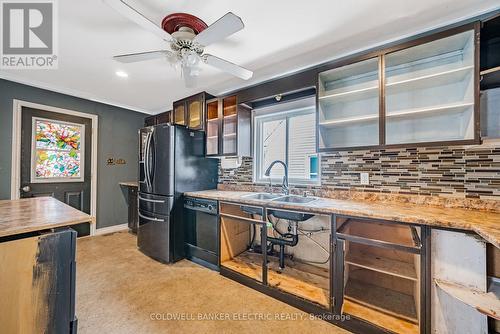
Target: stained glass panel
x,y
62,136
57,151
51,164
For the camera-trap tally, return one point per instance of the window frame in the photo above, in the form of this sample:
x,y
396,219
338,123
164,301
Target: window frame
x,y
34,149
281,112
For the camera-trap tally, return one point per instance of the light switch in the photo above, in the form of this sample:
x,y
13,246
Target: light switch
x,y
364,178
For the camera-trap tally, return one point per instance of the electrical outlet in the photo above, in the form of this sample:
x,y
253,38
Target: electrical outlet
x,y
364,178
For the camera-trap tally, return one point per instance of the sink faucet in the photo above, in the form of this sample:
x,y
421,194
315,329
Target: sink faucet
x,y
284,186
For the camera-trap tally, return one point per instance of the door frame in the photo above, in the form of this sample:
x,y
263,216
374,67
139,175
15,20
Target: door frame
x,y
17,106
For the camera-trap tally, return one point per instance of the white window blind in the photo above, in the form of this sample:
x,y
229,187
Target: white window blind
x,y
286,132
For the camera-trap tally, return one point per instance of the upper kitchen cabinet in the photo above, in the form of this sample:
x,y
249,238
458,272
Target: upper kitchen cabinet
x,y
430,91
180,112
490,53
422,92
228,127
348,104
164,117
191,111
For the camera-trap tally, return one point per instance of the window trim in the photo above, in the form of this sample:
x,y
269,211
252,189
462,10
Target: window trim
x,y
33,178
274,113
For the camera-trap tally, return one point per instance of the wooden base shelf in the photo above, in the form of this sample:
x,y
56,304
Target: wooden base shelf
x,y
299,279
383,265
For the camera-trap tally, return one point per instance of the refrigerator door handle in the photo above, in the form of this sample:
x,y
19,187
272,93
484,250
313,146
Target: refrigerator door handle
x,y
151,200
151,218
152,166
146,161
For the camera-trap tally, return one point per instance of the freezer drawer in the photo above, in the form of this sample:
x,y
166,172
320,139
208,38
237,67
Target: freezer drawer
x,y
153,236
161,205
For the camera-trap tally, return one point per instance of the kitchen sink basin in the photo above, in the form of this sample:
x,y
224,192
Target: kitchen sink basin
x,y
262,196
294,199
289,215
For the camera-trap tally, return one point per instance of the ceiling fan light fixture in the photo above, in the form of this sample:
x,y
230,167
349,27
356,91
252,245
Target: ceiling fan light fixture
x,y
187,37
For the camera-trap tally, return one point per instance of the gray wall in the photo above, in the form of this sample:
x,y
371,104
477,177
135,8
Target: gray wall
x,y
117,138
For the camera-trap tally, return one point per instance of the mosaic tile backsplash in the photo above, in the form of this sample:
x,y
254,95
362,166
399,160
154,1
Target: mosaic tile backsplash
x,y
455,171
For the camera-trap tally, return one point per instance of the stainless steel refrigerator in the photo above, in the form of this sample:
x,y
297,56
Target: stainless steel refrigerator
x,y
171,162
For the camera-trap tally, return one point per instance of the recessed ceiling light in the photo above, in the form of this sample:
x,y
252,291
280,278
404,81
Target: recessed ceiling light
x,y
121,74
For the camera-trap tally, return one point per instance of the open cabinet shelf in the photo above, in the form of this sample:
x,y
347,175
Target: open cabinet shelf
x,y
383,265
305,281
381,272
384,300
422,92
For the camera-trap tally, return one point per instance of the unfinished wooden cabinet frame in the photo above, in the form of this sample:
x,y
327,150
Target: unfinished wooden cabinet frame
x,y
237,223
380,273
416,245
298,279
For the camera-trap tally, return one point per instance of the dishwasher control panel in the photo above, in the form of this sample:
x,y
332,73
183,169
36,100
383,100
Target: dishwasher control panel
x,y
205,205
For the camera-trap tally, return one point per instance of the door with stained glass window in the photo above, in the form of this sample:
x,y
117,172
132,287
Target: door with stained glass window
x,y
55,157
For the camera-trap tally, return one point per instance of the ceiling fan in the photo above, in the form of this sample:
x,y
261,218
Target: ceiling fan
x,y
187,36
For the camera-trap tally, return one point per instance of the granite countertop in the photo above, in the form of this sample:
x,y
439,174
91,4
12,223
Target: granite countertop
x,y
484,223
37,213
129,184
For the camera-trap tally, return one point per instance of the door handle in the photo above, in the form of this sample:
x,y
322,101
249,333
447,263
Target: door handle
x,y
26,189
151,218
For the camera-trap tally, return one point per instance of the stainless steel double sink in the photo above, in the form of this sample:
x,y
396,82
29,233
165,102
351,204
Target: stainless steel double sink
x,y
288,215
280,198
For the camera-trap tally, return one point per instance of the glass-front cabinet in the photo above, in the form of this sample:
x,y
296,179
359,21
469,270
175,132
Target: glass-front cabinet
x,y
425,91
190,111
228,127
195,113
213,125
180,113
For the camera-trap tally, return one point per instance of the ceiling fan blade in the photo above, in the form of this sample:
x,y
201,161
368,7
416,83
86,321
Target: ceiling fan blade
x,y
189,80
220,29
133,15
228,67
141,56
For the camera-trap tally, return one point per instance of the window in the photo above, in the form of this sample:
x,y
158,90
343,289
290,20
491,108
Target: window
x,y
286,132
57,151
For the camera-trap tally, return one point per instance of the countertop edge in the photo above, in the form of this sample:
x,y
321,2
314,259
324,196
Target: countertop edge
x,y
483,231
35,228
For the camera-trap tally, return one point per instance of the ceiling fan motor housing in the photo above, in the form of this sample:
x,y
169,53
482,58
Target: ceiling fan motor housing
x,y
174,22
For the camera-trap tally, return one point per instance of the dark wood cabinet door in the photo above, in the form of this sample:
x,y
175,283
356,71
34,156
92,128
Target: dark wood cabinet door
x,y
150,121
195,107
164,117
180,113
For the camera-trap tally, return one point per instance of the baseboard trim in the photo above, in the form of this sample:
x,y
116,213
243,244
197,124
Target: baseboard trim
x,y
111,229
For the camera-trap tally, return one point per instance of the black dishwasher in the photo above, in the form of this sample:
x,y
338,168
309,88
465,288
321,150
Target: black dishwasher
x,y
202,232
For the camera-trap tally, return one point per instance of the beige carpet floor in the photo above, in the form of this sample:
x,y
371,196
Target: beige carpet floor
x,y
119,290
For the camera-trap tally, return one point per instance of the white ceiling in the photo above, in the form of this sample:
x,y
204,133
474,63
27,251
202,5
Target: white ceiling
x,y
280,36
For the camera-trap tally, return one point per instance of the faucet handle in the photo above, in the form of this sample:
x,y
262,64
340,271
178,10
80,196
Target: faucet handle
x,y
306,193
